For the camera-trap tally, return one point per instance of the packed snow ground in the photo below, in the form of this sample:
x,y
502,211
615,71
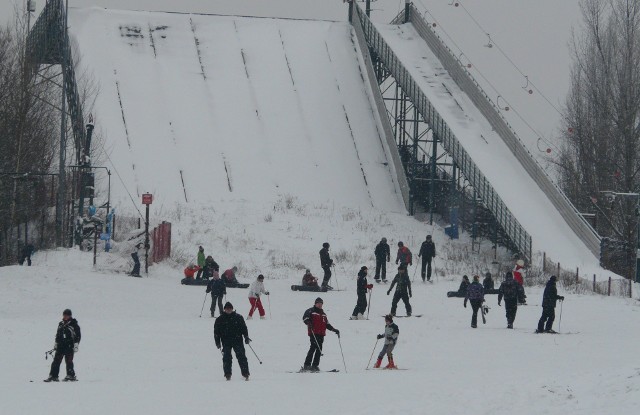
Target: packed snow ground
x,y
145,350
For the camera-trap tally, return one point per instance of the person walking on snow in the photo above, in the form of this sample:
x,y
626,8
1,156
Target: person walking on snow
x,y
383,255
549,299
427,252
361,288
228,332
403,290
218,290
475,294
512,293
326,263
66,345
26,253
135,255
201,260
257,288
390,336
518,276
404,255
317,326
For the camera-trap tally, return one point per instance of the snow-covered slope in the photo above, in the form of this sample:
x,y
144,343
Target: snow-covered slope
x,y
145,351
203,108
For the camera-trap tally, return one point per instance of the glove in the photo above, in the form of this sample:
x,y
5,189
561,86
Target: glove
x,y
208,290
380,336
337,332
410,263
267,293
499,305
369,286
561,298
396,262
76,346
218,345
388,260
465,304
247,340
410,295
55,346
388,292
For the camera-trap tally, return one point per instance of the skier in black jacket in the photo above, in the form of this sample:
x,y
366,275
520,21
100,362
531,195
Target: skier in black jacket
x,y
66,344
403,290
512,292
361,289
326,263
228,332
27,251
218,289
383,255
549,299
427,252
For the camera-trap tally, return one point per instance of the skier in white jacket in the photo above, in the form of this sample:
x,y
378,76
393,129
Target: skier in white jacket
x,y
257,288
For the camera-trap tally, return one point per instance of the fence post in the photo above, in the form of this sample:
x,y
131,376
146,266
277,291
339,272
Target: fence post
x,y
544,262
577,275
609,289
630,289
558,272
594,282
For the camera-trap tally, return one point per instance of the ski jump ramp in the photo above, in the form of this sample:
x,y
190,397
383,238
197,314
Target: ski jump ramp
x,y
201,108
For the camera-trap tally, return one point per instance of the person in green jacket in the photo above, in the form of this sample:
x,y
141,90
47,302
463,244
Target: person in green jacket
x,y
200,261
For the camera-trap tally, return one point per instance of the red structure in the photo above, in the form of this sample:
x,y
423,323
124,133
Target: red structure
x,y
160,243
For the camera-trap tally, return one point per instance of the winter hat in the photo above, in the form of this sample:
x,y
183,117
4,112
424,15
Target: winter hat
x,y
308,271
228,305
508,275
464,277
384,239
428,237
325,245
520,263
260,277
234,269
67,312
400,243
553,278
488,275
363,268
319,300
201,248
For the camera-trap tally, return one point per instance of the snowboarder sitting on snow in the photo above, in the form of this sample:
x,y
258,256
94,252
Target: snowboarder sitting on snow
x,y
488,283
512,292
229,277
403,290
191,270
257,288
218,290
308,280
464,285
549,299
66,344
209,267
404,255
228,332
317,326
390,337
475,294
361,289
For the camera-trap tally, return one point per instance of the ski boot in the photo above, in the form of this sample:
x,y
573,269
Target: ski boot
x,y
474,326
391,365
249,317
314,369
552,331
70,378
227,377
51,379
539,331
263,318
305,368
353,318
510,325
378,363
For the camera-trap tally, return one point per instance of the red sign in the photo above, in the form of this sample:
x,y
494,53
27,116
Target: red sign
x,y
147,199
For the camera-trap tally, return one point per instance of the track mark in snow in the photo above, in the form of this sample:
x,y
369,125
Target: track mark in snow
x,y
284,51
197,43
184,189
153,44
124,121
227,170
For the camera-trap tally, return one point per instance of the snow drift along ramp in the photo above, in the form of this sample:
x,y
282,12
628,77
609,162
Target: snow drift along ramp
x,y
202,108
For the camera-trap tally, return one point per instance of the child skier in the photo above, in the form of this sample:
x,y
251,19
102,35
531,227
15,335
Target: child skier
x,y
390,337
257,288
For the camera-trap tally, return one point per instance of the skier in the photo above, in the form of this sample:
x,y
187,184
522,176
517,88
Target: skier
x,y
475,295
518,276
229,277
390,337
66,344
488,283
308,280
427,252
549,299
228,332
201,260
326,263
257,288
317,326
210,265
190,271
218,290
361,289
26,253
403,290
383,255
512,292
138,250
404,255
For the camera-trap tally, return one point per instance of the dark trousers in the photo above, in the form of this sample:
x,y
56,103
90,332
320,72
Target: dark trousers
x,y
361,305
396,298
214,299
511,308
381,265
475,306
426,268
315,350
238,347
22,259
327,276
136,264
548,315
199,274
57,360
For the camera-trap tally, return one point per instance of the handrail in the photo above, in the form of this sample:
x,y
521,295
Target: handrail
x,y
484,189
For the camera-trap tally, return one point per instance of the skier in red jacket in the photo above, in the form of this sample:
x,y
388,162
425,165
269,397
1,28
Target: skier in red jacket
x,y
317,325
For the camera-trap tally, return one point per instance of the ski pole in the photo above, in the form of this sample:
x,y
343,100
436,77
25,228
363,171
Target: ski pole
x,y
317,344
414,274
254,353
560,321
205,300
372,352
269,303
369,305
50,352
337,284
343,362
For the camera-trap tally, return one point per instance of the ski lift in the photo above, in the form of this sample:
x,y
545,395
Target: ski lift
x,y
547,150
526,87
468,65
490,43
454,3
506,108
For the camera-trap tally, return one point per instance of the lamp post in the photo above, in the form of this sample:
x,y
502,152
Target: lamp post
x,y
637,213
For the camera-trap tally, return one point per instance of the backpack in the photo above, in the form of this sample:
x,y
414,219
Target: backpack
x,y
510,290
475,292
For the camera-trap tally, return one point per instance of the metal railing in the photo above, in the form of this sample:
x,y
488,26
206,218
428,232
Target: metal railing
x,y
465,80
469,169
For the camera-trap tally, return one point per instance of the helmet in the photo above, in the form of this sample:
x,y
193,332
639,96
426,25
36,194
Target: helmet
x,y
308,271
325,245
